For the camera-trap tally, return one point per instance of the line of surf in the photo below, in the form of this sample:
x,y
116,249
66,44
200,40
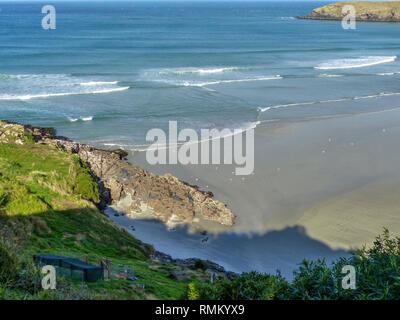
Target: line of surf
x,y
97,83
90,118
382,94
60,94
148,147
201,71
210,83
355,63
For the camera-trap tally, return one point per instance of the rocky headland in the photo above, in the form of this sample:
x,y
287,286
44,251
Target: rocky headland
x,y
128,188
375,11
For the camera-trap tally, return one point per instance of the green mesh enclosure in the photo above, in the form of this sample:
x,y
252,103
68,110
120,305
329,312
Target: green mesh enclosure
x,y
71,268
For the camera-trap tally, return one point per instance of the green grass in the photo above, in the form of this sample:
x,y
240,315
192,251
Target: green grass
x,y
379,8
47,205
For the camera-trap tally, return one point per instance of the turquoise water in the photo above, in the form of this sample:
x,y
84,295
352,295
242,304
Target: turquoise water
x,y
113,70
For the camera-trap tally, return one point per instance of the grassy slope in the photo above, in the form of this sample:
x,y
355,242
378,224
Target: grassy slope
x,y
379,8
44,208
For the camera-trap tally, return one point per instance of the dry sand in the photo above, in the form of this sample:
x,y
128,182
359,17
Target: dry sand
x,y
334,181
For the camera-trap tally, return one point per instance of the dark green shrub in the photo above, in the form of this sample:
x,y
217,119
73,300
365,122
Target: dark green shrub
x,y
200,265
377,277
378,269
377,274
28,278
315,280
8,263
247,286
84,185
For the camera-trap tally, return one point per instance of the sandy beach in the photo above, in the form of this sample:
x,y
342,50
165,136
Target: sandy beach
x,y
320,187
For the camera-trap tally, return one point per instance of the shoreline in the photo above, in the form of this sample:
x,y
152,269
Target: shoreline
x,y
314,181
274,135
310,176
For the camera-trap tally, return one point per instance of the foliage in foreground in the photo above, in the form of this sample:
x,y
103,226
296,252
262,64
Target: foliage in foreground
x,y
377,277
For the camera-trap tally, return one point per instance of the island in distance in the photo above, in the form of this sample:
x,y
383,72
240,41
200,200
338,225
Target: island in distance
x,y
377,11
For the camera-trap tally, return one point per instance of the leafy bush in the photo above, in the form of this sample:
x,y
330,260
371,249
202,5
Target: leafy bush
x,y
315,280
28,278
377,277
247,286
192,293
200,265
378,269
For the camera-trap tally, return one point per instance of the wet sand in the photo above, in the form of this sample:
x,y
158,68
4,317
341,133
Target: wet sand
x,y
319,187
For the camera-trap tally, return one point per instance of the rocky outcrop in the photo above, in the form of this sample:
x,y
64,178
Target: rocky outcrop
x,y
129,188
193,263
377,11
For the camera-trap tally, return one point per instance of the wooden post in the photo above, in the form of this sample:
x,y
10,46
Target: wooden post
x,y
107,266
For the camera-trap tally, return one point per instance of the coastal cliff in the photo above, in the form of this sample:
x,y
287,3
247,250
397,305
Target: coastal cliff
x,y
49,203
129,188
377,11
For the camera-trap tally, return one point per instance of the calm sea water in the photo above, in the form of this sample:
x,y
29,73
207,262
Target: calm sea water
x,y
113,70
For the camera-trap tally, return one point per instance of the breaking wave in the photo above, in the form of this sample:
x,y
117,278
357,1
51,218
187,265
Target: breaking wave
x,y
355,63
216,82
35,86
90,118
96,83
201,71
57,94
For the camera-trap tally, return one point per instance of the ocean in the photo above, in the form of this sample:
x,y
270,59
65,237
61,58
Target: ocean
x,y
111,71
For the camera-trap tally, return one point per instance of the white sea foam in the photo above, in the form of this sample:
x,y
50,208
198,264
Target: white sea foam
x,y
382,94
244,128
97,83
33,76
326,75
58,94
216,82
35,86
107,90
355,63
297,104
201,71
90,118
111,144
12,76
386,74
